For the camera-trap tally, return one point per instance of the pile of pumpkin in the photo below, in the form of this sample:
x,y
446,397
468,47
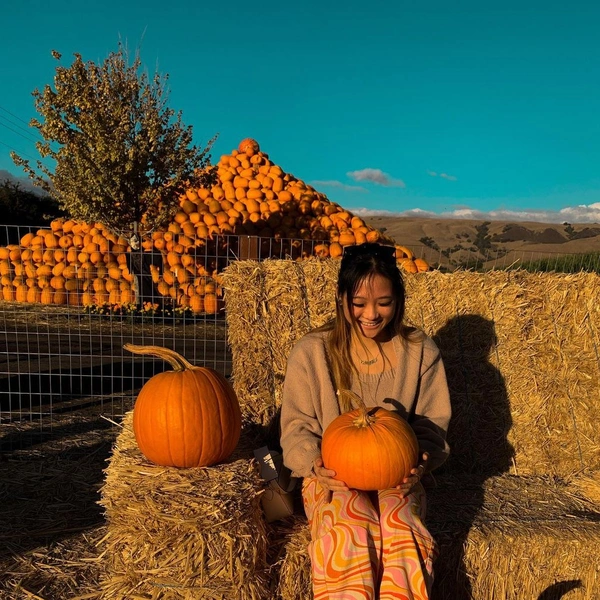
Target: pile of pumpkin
x,y
69,263
85,264
82,264
253,196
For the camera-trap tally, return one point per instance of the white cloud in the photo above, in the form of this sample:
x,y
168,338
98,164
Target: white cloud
x,y
376,176
582,213
339,185
442,175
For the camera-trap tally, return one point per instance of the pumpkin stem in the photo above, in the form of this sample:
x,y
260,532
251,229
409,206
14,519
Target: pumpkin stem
x,y
178,362
364,419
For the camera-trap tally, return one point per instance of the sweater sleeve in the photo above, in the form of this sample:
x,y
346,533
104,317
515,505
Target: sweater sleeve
x,y
431,412
301,430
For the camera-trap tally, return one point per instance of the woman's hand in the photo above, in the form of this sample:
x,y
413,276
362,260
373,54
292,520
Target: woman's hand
x,y
415,476
326,477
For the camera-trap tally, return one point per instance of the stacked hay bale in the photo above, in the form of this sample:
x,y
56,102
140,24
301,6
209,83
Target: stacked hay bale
x,y
515,508
84,264
182,533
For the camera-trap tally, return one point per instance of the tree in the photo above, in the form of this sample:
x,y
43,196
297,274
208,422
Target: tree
x,y
122,157
569,230
483,241
23,207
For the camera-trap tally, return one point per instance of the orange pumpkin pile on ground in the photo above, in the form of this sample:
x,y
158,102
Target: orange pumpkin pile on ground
x,y
68,263
84,264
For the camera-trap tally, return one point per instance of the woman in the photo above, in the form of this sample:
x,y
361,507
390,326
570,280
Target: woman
x,y
366,545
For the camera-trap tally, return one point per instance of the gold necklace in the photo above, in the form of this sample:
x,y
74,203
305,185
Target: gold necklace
x,y
372,361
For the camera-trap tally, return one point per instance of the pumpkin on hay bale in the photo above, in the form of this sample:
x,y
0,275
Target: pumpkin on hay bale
x,y
183,533
188,417
182,494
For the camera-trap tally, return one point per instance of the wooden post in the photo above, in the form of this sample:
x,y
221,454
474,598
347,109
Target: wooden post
x,y
249,247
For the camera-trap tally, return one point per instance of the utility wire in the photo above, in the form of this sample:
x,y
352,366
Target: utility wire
x,y
29,128
25,137
31,131
19,152
13,115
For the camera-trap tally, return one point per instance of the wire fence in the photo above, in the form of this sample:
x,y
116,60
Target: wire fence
x,y
67,311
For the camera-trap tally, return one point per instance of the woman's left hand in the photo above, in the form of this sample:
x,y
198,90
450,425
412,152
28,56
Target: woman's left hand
x,y
415,476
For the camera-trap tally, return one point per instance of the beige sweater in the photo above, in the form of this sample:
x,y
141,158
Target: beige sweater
x,y
309,403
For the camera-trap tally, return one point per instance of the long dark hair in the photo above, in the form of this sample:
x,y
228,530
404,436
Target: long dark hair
x,y
360,264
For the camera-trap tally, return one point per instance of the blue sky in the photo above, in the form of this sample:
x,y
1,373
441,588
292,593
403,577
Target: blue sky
x,y
473,109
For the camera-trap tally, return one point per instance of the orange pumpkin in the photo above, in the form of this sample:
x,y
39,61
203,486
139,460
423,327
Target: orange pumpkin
x,y
188,417
249,146
422,265
408,264
370,449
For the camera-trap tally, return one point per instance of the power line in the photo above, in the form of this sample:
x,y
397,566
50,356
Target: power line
x,y
20,153
29,130
13,115
26,137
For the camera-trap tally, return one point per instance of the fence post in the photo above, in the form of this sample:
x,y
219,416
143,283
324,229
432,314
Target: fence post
x,y
249,246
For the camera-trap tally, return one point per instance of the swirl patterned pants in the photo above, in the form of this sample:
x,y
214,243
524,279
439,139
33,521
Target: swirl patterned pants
x,y
368,545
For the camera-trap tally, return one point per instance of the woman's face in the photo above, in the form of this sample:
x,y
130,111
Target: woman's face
x,y
372,307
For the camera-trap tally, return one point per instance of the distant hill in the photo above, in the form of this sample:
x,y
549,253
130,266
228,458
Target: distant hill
x,y
24,182
452,241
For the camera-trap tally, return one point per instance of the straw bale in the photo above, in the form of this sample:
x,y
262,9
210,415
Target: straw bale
x,y
514,537
538,386
521,351
294,580
508,537
182,533
588,485
514,509
319,278
251,352
286,314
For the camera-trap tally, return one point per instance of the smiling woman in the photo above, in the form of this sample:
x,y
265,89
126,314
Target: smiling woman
x,y
366,351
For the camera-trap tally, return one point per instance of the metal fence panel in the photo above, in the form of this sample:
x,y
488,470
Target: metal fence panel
x,y
63,332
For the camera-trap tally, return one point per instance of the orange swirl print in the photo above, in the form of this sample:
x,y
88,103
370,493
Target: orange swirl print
x,y
367,547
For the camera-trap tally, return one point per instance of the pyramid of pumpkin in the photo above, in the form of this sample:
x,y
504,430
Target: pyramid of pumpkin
x,y
252,196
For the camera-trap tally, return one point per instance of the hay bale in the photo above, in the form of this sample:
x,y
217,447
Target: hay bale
x,y
319,279
182,533
508,537
514,537
514,510
294,576
251,352
286,315
521,351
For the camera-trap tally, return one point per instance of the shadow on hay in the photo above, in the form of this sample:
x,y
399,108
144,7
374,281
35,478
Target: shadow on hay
x,y
558,590
477,436
49,488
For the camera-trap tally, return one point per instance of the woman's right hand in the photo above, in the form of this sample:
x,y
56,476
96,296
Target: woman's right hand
x,y
326,477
